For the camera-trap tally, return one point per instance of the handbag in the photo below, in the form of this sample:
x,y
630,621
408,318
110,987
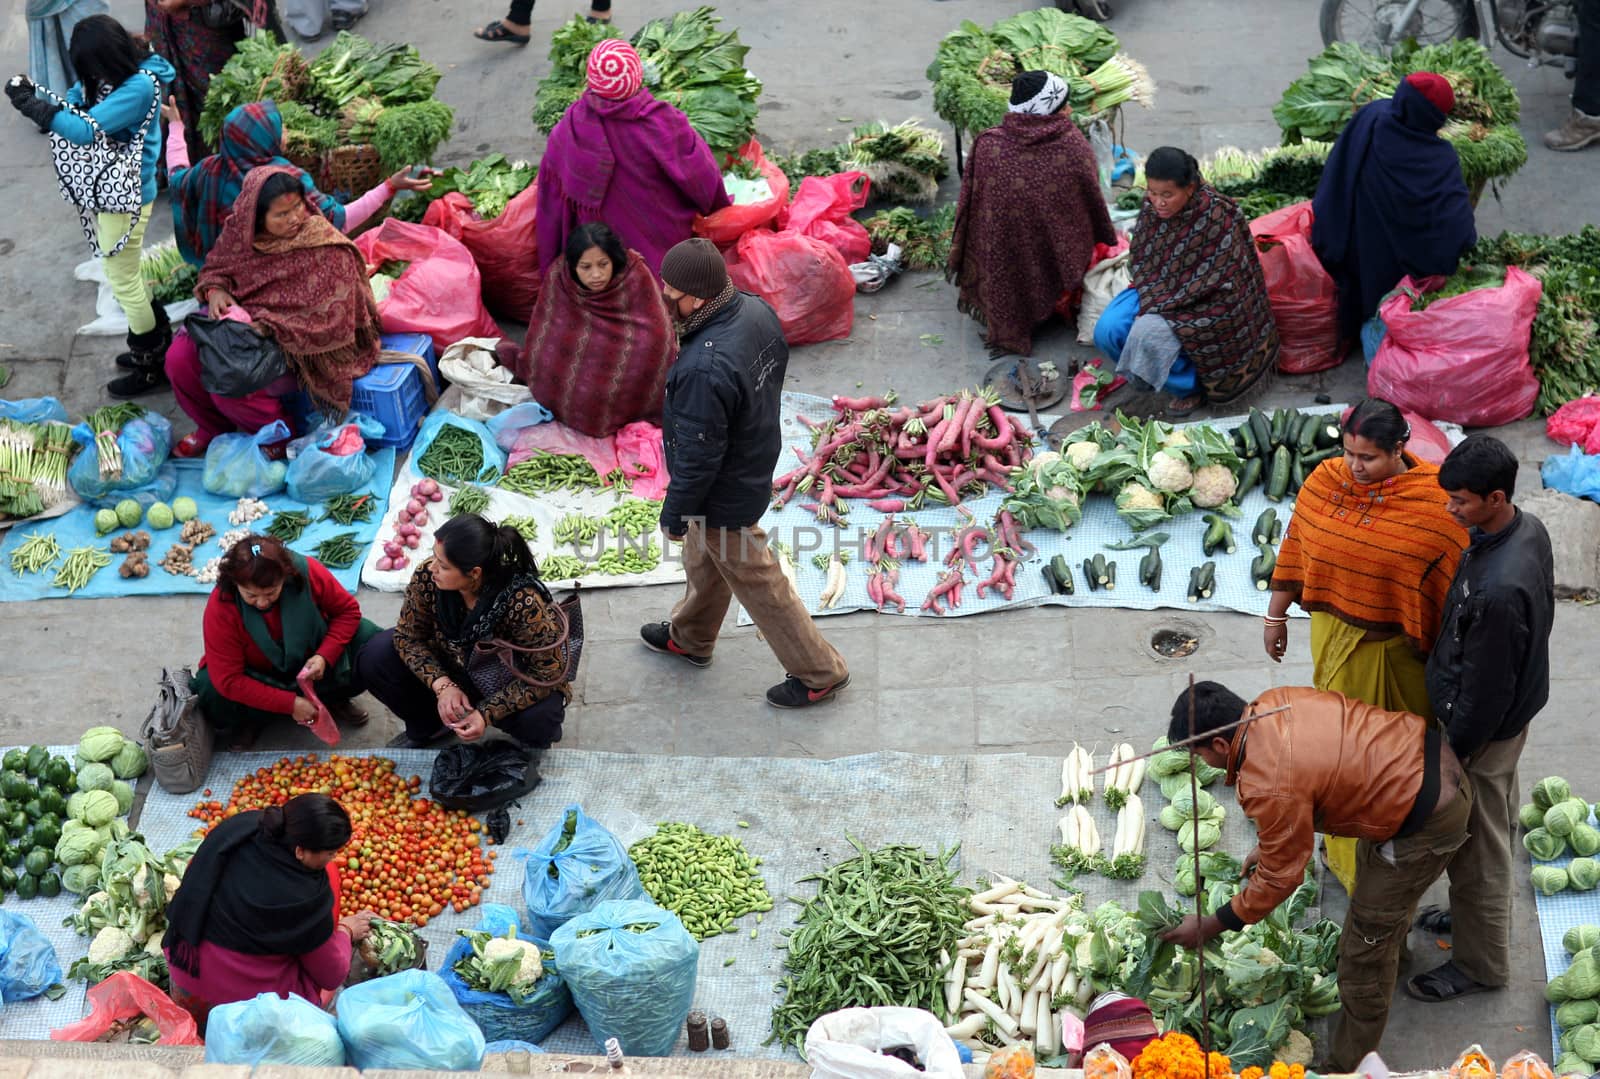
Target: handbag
x,y
492,665
103,176
218,14
235,360
180,740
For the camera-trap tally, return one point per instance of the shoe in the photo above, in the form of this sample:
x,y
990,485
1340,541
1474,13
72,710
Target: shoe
x,y
243,740
191,445
137,382
793,693
497,31
1579,131
348,714
344,20
129,360
657,637
405,741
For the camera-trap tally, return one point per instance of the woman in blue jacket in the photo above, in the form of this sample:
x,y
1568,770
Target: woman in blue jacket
x,y
118,80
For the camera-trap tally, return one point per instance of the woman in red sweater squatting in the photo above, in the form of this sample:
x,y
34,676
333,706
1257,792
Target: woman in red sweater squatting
x,y
258,911
272,614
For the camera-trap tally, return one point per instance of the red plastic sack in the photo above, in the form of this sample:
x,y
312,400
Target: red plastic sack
x,y
503,247
1576,423
323,726
440,294
125,995
1464,359
822,209
724,227
1304,299
805,280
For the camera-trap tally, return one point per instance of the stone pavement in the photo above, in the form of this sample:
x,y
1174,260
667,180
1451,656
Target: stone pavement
x,y
1031,681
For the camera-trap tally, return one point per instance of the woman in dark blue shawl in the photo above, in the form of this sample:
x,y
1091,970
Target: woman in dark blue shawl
x,y
1392,201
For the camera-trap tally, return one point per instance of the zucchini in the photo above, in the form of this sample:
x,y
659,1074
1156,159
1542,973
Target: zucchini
x,y
1090,577
1261,531
1249,476
1100,574
1059,574
1262,565
1219,536
1328,433
1277,530
1280,427
1316,457
1111,576
1306,439
1278,478
1150,570
1207,579
1245,437
1262,431
1297,473
1194,585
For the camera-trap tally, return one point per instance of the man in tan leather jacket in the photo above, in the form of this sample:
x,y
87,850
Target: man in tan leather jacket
x,y
1330,764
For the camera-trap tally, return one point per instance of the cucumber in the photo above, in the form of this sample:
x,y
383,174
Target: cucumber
x,y
1249,476
1090,577
1278,478
1316,457
1207,579
1219,536
1194,585
1280,427
1100,574
1245,437
1262,565
1111,576
1328,433
1059,574
1262,431
1150,570
1297,473
1261,531
1306,438
1277,530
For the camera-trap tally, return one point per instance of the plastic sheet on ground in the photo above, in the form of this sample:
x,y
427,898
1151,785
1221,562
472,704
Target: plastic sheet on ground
x,y
76,529
1557,914
1234,590
798,811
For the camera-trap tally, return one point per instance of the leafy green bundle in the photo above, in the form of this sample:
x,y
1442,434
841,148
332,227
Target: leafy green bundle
x,y
924,242
490,182
905,162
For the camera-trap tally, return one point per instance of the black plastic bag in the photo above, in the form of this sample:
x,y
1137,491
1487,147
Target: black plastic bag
x,y
235,360
478,776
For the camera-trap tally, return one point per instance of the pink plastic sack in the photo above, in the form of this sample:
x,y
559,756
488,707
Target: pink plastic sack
x,y
555,437
1304,299
125,995
1464,359
805,280
503,247
822,209
724,227
640,454
440,293
323,726
1576,423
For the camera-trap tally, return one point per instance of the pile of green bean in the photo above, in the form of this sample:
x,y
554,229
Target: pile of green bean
x,y
871,936
81,564
469,499
338,552
288,524
707,880
454,456
551,472
35,554
348,509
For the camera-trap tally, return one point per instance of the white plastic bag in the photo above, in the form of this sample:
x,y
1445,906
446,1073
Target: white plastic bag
x,y
1101,284
847,1044
486,388
110,321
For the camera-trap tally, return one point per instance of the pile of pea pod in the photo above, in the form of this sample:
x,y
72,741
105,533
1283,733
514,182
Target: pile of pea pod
x,y
708,881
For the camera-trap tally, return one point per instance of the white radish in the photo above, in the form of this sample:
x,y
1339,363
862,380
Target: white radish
x,y
1069,778
991,965
1136,776
1069,829
952,989
998,892
1044,1039
1002,993
970,1027
1028,1022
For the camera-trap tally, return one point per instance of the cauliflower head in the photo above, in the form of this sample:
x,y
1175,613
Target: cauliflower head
x,y
1178,437
529,966
1041,461
1170,473
1136,496
1213,485
110,944
1082,455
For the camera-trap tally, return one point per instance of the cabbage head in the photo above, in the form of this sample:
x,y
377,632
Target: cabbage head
x,y
81,879
1531,816
1583,977
130,761
1550,790
1575,1013
1544,846
123,793
1172,820
1586,1043
1583,874
1580,937
1192,804
1585,840
1573,1065
95,777
78,845
1555,990
100,743
99,808
1549,879
1209,835
1561,818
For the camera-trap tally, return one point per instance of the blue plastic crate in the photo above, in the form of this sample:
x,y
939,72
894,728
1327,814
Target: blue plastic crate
x,y
418,344
390,393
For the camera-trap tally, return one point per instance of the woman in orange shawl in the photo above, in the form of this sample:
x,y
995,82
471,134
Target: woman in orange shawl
x,y
1370,553
299,279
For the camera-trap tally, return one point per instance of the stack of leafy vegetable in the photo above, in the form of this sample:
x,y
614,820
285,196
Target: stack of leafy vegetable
x,y
1482,126
924,241
33,467
490,182
169,278
126,913
1576,994
973,69
905,162
688,63
1157,471
1261,182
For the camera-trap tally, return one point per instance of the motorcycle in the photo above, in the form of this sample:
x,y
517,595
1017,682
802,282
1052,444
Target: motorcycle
x,y
1540,31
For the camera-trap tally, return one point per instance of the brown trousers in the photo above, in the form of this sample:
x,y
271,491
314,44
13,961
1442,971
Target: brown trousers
x,y
1380,916
1481,879
722,564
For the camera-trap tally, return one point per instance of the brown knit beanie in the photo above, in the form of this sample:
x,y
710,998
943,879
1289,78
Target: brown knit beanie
x,y
695,268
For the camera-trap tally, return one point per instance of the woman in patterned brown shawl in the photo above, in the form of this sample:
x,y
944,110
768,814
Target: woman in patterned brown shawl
x,y
1030,214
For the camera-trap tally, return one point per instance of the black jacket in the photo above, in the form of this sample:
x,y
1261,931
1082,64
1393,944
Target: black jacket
x,y
1489,672
720,420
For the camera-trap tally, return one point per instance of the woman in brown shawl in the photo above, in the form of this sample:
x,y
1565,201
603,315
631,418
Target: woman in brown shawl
x,y
1029,216
1197,304
300,280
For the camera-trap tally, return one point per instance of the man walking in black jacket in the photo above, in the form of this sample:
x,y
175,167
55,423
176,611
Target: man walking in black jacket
x,y
1488,676
722,439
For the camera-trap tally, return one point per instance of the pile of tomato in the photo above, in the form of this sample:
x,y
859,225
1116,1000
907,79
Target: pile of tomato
x,y
408,857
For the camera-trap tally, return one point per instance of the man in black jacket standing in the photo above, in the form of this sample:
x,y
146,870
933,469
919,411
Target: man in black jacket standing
x,y
722,439
1488,676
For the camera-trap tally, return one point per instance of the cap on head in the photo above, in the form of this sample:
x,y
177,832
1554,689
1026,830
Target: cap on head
x,y
615,71
695,268
1436,88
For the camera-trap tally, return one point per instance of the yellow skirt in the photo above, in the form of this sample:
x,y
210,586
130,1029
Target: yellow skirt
x,y
1385,674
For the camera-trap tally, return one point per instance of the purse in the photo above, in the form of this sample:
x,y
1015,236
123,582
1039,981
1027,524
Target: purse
x,y
180,740
492,665
235,360
103,176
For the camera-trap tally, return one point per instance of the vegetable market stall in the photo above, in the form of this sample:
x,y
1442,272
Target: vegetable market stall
x,y
77,529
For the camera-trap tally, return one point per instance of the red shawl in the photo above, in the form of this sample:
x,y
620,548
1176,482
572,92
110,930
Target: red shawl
x,y
1030,214
1199,270
598,360
309,289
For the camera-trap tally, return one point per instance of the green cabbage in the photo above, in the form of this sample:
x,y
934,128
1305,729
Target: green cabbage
x,y
1209,835
1555,990
100,743
1550,790
95,777
1573,1065
1561,818
78,845
1580,937
1575,1013
1194,805
81,879
1585,840
1531,816
123,793
130,761
99,808
1171,819
1583,874
1544,846
1583,976
1586,1043
1549,879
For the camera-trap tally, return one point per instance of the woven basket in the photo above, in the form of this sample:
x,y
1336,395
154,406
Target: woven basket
x,y
349,172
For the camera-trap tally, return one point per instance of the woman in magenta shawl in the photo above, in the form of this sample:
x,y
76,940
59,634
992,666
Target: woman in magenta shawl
x,y
621,156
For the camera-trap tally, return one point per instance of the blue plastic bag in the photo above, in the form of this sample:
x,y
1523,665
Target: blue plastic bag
x,y
1574,473
1373,331
590,869
273,1030
493,457
28,963
408,1020
160,489
315,475
495,1014
509,1046
144,444
635,987
33,410
508,424
236,467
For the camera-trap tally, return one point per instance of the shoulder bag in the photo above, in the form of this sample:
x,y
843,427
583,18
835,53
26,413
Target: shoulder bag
x,y
179,738
493,663
103,176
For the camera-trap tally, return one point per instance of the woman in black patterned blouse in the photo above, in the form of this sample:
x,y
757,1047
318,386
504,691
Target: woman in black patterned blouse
x,y
481,585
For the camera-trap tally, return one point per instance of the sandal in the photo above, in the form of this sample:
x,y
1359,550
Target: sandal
x,y
597,20
496,31
1434,920
1443,983
1179,407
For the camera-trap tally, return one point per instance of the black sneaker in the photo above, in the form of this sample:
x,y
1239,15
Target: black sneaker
x,y
657,637
793,693
137,382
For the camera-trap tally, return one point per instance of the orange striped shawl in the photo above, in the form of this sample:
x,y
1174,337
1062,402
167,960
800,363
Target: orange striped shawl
x,y
1379,557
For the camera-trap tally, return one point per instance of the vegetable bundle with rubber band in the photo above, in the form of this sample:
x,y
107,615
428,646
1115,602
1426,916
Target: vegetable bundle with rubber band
x,y
33,466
